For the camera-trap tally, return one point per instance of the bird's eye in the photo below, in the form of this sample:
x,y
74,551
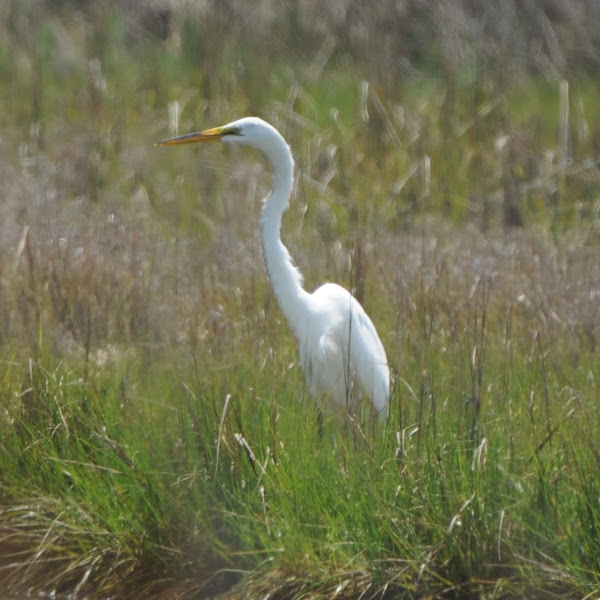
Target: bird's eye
x,y
234,131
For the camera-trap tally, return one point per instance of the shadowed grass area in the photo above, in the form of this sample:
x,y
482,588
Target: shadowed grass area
x,y
157,437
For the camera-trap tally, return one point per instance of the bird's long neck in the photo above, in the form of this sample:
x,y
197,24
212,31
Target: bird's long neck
x,y
285,277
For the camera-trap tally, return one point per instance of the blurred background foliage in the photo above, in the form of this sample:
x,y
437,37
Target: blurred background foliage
x,y
402,114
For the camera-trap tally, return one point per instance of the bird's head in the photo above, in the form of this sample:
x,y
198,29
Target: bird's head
x,y
250,131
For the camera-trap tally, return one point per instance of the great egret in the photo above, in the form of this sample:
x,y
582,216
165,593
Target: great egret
x,y
341,353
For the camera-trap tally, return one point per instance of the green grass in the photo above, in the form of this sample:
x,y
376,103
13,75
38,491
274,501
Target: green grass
x,y
129,472
156,434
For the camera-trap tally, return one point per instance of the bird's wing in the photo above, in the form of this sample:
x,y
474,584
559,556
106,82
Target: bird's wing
x,y
347,353
367,358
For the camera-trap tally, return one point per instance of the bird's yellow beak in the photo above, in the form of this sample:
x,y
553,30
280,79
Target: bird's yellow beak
x,y
208,135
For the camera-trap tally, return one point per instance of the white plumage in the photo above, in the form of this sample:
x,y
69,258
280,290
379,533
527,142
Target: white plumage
x,y
341,354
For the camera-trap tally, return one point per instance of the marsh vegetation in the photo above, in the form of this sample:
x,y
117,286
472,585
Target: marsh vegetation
x,y
156,436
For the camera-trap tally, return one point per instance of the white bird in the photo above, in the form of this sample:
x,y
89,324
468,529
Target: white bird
x,y
341,353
